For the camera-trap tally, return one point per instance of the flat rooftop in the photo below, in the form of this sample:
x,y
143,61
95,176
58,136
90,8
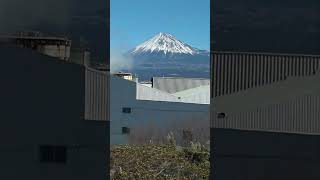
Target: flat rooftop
x,y
39,39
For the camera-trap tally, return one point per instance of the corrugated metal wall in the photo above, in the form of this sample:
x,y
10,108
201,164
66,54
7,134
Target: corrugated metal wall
x,y
300,115
175,84
234,72
200,95
96,95
147,93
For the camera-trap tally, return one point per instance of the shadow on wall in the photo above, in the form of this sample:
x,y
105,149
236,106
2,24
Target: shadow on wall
x,y
183,133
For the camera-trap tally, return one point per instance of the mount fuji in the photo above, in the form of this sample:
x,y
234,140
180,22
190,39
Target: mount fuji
x,y
166,44
165,55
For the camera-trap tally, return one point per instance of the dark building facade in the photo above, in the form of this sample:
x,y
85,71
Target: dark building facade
x,y
52,125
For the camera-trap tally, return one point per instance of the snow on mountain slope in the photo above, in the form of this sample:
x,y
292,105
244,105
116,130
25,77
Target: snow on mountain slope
x,y
165,55
167,44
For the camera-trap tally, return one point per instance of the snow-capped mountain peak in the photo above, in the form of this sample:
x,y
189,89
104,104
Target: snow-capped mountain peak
x,y
166,43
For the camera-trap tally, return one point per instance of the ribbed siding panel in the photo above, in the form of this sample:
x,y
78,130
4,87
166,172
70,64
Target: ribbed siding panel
x,y
243,71
247,78
249,70
235,72
147,93
218,77
229,75
262,70
223,74
96,95
237,76
283,68
232,74
173,85
296,116
198,95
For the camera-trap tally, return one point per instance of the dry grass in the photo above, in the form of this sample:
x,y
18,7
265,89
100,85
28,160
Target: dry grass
x,y
159,162
164,153
198,131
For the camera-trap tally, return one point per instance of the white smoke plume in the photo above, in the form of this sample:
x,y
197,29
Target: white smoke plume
x,y
119,62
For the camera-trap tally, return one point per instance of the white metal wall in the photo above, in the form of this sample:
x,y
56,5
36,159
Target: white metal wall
x,y
96,95
199,95
147,93
163,115
176,84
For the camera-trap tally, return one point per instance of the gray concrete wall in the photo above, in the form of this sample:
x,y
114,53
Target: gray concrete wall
x,y
80,56
59,51
42,103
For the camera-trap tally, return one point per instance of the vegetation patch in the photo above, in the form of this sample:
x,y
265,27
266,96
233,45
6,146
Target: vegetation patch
x,y
155,161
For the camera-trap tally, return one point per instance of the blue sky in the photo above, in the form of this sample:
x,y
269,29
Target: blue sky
x,y
134,21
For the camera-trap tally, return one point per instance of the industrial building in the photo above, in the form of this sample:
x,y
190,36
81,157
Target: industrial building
x,y
127,76
265,115
58,47
177,84
275,89
54,112
164,105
